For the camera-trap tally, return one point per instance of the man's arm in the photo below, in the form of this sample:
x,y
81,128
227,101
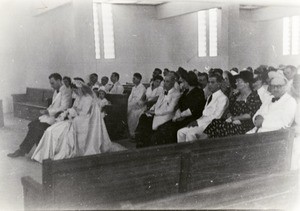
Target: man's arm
x,y
169,108
215,112
66,99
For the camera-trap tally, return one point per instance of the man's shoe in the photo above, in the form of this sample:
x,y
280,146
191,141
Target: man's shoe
x,y
17,153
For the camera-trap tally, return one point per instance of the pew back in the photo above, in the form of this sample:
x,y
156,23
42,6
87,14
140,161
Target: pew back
x,y
110,179
116,119
107,178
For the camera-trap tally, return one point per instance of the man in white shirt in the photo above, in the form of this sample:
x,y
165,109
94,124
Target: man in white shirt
x,y
278,112
257,85
289,72
203,81
94,83
135,103
61,100
215,106
116,87
161,112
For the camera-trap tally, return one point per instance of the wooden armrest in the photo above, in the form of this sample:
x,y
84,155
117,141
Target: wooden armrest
x,y
19,97
34,198
31,184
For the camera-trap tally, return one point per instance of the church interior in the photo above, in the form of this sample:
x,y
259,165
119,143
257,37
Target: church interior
x,y
78,38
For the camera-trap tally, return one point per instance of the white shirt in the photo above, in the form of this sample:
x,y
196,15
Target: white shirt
x,y
214,109
135,97
164,107
151,94
277,115
264,94
117,88
61,101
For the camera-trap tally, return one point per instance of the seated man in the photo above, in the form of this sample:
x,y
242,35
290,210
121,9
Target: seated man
x,y
135,103
104,83
94,83
62,99
161,112
214,109
116,87
278,112
203,84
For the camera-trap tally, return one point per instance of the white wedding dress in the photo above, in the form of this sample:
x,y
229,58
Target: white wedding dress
x,y
98,140
85,134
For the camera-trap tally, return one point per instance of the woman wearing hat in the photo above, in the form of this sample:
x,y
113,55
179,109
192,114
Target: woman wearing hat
x,y
189,108
242,107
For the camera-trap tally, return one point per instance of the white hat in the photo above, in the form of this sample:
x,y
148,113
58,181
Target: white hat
x,y
78,83
102,88
277,78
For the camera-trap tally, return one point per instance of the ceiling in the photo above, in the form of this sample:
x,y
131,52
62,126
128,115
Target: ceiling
x,y
244,4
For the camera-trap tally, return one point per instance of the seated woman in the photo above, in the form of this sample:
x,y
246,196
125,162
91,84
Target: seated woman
x,y
66,138
153,92
228,86
98,140
188,109
242,107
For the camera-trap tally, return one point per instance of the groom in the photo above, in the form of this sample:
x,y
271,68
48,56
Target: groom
x,y
61,100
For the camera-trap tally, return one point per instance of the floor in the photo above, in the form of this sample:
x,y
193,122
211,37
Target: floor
x,y
12,169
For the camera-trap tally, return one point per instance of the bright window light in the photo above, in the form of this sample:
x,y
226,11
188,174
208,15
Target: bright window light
x,y
108,31
213,29
202,34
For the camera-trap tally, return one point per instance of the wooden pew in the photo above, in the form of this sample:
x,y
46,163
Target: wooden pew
x,y
116,180
28,106
116,119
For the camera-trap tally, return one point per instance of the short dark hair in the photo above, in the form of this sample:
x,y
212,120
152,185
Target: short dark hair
x,y
94,74
67,78
218,71
158,77
56,76
116,75
217,77
203,74
159,70
79,79
138,76
105,77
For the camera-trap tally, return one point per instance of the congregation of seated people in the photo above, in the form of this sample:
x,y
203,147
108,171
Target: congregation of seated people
x,y
178,106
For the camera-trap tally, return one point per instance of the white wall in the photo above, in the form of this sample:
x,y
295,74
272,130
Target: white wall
x,y
62,40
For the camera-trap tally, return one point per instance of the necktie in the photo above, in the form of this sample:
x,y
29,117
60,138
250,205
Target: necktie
x,y
274,99
209,99
166,92
111,87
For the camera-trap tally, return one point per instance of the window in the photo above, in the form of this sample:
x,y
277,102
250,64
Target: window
x,y
291,35
208,32
96,31
107,30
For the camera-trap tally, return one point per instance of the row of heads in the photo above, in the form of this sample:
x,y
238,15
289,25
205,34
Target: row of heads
x,y
75,84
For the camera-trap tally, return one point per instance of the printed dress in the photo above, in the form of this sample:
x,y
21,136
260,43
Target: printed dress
x,y
221,128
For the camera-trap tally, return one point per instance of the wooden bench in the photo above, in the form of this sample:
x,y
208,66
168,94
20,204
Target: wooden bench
x,y
28,106
128,87
132,178
116,119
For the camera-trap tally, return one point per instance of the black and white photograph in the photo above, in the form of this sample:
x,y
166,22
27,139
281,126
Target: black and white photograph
x,y
150,105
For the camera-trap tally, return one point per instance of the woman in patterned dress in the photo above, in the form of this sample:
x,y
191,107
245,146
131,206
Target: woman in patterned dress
x,y
242,107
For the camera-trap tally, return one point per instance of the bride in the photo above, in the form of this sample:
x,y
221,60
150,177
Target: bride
x,y
76,131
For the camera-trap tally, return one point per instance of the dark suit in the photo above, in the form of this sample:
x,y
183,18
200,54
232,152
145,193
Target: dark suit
x,y
61,101
193,100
